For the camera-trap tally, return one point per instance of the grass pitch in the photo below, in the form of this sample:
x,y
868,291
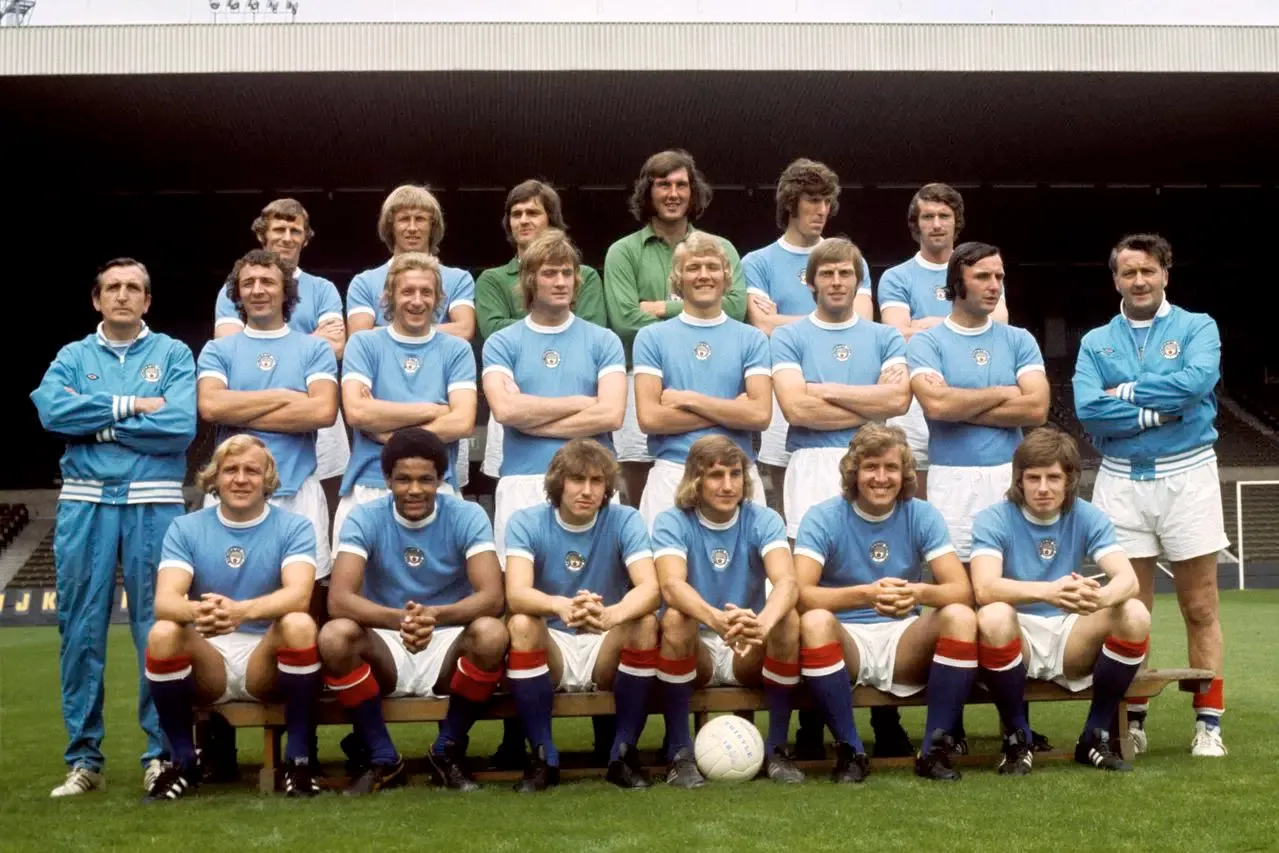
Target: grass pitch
x,y
1171,801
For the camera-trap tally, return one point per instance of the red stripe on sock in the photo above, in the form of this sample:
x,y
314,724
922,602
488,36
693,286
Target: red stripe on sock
x,y
355,687
164,666
781,667
998,657
1127,648
948,647
677,666
298,657
472,682
527,660
639,658
1214,699
821,656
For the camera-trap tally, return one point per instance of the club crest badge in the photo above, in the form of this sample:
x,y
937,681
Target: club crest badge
x,y
1047,549
151,373
878,551
1106,352
702,351
574,561
235,556
1170,349
981,357
551,359
266,361
411,365
413,557
801,277
719,559
940,293
841,352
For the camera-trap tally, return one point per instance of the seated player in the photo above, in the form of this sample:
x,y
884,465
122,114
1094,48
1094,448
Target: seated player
x,y
413,600
1039,617
231,599
582,590
858,557
402,375
714,551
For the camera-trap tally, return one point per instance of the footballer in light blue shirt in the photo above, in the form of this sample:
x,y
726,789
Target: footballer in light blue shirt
x,y
1040,617
582,590
716,552
859,558
698,374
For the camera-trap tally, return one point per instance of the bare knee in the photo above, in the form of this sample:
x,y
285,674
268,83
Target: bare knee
x,y
1200,610
337,641
297,630
527,633
166,639
818,628
783,642
997,624
1132,620
678,633
959,622
488,640
644,632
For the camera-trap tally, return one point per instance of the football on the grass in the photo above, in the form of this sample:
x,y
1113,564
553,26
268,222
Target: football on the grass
x,y
729,749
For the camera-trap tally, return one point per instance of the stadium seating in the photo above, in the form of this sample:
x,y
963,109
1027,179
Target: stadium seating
x,y
13,517
744,702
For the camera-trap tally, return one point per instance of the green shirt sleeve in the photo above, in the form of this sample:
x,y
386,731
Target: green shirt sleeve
x,y
590,299
735,299
494,302
621,291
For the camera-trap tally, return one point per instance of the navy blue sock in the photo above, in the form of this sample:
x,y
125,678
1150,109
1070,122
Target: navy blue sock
x,y
826,674
469,690
780,678
532,690
358,692
300,682
1114,670
1004,673
950,679
677,701
636,672
172,686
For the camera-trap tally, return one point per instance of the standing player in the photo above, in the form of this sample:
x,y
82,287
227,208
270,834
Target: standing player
x,y
912,295
699,373
124,400
274,383
549,378
531,208
284,227
582,591
413,602
231,603
858,559
715,549
1039,617
404,375
669,195
777,294
1144,392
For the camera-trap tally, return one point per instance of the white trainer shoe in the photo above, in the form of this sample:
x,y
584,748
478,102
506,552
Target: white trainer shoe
x,y
1207,742
80,780
1137,734
154,768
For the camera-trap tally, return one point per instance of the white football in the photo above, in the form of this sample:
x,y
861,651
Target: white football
x,y
729,749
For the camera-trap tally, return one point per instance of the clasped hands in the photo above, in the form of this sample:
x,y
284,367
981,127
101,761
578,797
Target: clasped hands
x,y
586,612
216,615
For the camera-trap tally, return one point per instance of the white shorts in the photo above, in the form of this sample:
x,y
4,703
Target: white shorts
x,y
722,657
629,443
772,442
1178,516
1043,649
492,464
462,469
309,502
877,654
236,648
332,450
960,493
578,652
663,482
916,432
362,495
811,477
417,674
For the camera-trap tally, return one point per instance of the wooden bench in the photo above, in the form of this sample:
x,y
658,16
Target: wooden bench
x,y
742,701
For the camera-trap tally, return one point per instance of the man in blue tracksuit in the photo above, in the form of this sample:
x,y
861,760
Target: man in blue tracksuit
x,y
1144,392
124,399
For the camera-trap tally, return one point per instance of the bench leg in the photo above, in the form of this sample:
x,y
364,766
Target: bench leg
x,y
268,776
748,716
1126,749
699,720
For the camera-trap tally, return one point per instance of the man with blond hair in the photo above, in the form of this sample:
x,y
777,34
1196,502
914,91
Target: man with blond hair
x,y
123,398
402,375
699,373
669,195
231,599
549,378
